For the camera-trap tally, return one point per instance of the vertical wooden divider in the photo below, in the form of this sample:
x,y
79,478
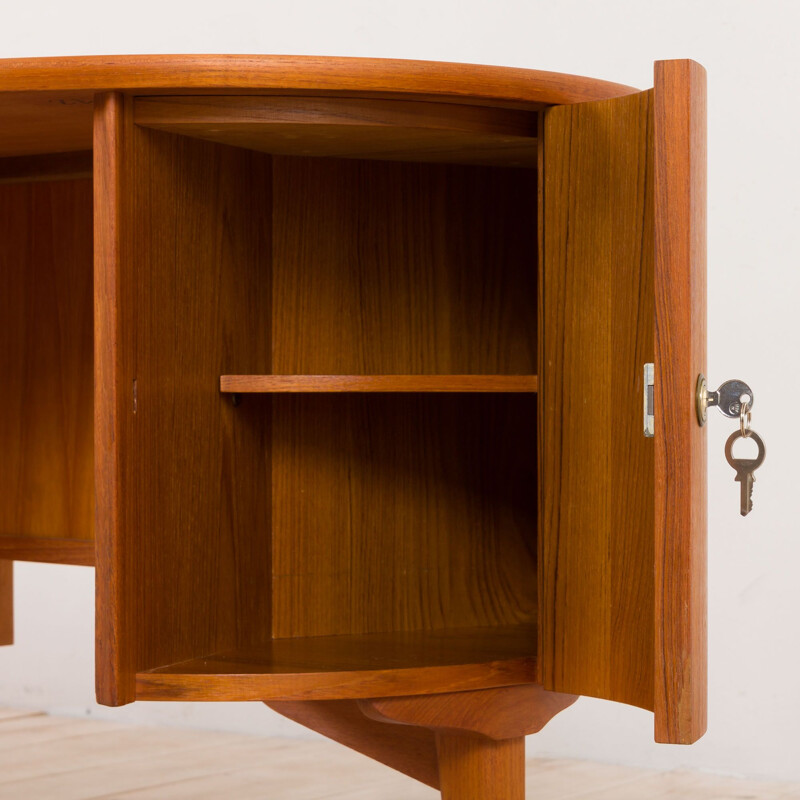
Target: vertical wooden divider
x,y
183,292
114,663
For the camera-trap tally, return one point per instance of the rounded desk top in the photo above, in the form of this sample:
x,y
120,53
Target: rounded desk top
x,y
46,103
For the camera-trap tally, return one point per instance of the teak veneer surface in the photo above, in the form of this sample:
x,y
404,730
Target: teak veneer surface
x,y
46,103
385,267
327,73
297,517
349,667
46,454
681,491
623,539
476,768
246,384
402,512
182,288
505,712
48,167
596,539
52,551
354,514
390,130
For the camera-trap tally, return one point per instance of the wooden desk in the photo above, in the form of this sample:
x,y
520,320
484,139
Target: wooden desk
x,y
334,368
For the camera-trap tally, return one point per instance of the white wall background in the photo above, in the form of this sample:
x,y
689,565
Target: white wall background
x,y
751,52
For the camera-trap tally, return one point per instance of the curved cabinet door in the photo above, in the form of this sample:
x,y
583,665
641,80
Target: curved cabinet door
x,y
622,562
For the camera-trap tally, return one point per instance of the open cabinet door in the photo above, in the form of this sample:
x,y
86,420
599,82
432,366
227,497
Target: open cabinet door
x,y
623,517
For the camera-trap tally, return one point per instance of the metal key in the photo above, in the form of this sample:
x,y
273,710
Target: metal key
x,y
745,467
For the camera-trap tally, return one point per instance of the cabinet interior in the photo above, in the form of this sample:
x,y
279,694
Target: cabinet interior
x,y
46,409
396,522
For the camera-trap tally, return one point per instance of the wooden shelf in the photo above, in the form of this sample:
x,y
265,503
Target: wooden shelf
x,y
53,551
348,667
253,384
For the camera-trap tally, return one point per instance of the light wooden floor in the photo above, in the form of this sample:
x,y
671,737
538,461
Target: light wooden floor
x,y
56,758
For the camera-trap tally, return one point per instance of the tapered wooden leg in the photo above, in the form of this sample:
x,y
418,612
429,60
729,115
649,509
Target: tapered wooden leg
x,y
473,767
6,602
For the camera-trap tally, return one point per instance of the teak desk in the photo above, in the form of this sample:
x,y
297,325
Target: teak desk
x,y
334,369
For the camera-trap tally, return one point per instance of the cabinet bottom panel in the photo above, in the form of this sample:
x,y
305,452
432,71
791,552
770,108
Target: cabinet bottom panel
x,y
349,667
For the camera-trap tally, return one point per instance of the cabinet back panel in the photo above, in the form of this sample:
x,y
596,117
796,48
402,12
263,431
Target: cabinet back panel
x,y
183,241
403,268
400,513
46,456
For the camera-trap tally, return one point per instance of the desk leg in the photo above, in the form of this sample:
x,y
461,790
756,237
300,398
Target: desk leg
x,y
472,767
6,602
470,745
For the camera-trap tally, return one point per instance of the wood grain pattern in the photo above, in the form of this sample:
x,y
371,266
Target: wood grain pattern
x,y
596,533
385,268
49,167
46,467
468,725
422,514
247,384
45,122
183,265
680,443
402,512
407,749
349,667
311,73
46,103
476,768
52,551
6,602
114,649
435,496
503,713
197,112
390,130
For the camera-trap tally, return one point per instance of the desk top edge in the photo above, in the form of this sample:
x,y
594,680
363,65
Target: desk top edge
x,y
264,73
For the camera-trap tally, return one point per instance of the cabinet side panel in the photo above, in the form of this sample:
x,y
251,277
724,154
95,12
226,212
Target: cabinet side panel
x,y
46,463
596,532
185,564
680,443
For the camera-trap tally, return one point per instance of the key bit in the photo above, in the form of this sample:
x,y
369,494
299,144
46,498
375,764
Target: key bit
x,y
746,480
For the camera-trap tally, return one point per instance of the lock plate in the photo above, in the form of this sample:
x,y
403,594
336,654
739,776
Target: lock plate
x,y
649,413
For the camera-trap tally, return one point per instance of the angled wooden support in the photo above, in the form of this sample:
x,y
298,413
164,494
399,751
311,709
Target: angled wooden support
x,y
470,745
410,750
504,713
